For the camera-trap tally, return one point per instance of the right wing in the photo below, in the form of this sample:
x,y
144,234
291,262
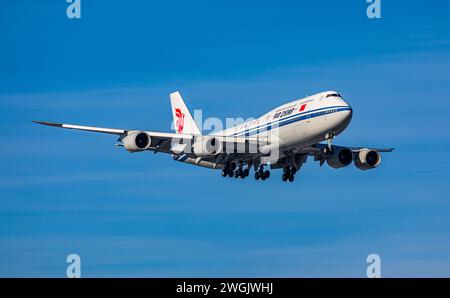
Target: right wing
x,y
165,142
161,141
81,127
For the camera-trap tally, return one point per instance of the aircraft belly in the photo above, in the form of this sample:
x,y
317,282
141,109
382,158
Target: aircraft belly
x,y
305,132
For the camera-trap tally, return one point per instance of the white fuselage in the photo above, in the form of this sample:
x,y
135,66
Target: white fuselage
x,y
301,122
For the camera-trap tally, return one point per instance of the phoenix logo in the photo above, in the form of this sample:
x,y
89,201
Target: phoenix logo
x,y
180,120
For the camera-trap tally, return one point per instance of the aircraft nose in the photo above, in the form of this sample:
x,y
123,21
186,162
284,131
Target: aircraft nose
x,y
347,116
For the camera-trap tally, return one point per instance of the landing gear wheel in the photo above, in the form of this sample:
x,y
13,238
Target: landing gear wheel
x,y
230,173
246,172
224,173
288,174
236,174
261,175
293,170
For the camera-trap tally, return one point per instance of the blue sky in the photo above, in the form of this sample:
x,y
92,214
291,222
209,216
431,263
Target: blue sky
x,y
65,192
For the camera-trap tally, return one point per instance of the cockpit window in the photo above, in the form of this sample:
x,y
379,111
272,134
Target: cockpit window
x,y
333,95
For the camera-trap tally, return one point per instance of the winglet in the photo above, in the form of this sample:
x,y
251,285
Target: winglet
x,y
48,123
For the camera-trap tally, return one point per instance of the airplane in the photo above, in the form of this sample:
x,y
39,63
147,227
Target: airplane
x,y
294,131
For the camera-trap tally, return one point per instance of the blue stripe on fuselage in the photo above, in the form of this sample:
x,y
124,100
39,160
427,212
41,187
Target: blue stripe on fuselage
x,y
294,118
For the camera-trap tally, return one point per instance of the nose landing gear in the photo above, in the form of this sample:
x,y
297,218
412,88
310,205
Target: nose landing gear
x,y
329,148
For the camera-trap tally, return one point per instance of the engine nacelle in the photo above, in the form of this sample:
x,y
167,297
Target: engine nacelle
x,y
367,159
136,141
340,158
207,146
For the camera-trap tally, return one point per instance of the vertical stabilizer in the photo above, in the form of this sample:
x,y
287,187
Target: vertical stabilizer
x,y
182,118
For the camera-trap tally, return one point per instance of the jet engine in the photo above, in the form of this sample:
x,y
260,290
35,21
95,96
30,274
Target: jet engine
x,y
340,158
136,141
207,146
367,159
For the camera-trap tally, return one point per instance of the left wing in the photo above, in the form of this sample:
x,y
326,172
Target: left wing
x,y
317,148
365,158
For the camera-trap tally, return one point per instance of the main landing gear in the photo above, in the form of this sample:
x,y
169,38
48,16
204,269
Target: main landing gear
x,y
230,171
261,174
288,174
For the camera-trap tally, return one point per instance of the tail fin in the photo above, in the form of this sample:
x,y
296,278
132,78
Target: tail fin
x,y
182,119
